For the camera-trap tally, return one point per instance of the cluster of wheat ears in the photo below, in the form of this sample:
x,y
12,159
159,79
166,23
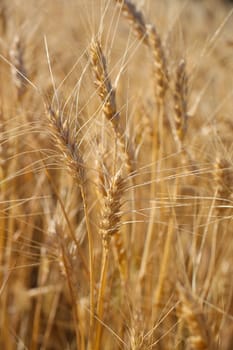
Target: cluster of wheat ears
x,y
116,175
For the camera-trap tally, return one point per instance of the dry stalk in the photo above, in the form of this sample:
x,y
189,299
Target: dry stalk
x,y
201,337
4,153
69,226
161,87
164,268
41,282
223,180
73,293
4,149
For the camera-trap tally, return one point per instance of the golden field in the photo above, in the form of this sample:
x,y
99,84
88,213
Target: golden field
x,y
116,175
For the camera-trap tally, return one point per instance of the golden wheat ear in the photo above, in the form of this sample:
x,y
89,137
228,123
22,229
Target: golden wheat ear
x,y
135,17
180,99
111,193
200,333
66,143
107,95
103,83
160,64
64,134
150,37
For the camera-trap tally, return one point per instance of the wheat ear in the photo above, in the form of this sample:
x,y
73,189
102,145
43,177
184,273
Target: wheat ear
x,y
66,142
108,98
223,176
180,100
135,17
160,63
201,337
148,34
111,191
18,68
150,37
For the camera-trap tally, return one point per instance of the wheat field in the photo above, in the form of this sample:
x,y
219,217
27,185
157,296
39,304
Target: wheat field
x,y
116,175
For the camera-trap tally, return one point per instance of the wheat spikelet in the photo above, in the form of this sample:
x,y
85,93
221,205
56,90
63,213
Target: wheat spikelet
x,y
135,17
223,176
103,83
180,99
111,204
18,68
111,221
66,143
200,337
111,191
159,61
